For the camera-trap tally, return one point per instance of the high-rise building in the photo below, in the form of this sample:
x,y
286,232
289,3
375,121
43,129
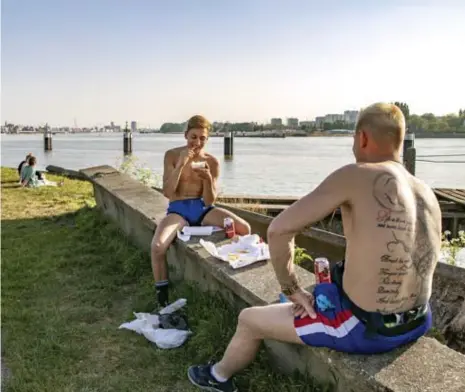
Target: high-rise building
x,y
276,122
293,122
133,126
350,116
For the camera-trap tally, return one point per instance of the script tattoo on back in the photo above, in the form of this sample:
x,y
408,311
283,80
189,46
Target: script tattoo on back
x,y
401,257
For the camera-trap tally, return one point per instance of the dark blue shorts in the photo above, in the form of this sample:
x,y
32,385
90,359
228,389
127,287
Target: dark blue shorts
x,y
192,210
336,327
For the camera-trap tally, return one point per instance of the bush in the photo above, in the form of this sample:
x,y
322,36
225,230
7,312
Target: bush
x,y
451,246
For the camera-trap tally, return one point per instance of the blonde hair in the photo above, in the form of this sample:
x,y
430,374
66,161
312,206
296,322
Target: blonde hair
x,y
384,121
198,121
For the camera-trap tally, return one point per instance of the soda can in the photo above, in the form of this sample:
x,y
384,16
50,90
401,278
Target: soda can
x,y
229,228
322,270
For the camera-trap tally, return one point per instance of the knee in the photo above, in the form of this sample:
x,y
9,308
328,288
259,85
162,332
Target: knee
x,y
246,319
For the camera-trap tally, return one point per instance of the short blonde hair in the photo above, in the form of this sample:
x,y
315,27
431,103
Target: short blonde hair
x,y
384,121
198,121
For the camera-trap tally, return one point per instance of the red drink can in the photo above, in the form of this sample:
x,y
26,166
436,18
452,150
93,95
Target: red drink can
x,y
322,270
229,228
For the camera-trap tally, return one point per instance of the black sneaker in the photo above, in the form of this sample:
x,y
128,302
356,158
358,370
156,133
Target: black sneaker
x,y
201,377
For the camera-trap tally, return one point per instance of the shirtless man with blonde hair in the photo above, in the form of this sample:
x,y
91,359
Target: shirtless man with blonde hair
x,y
192,191
379,296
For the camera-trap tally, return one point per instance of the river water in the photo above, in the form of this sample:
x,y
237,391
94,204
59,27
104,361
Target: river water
x,y
261,166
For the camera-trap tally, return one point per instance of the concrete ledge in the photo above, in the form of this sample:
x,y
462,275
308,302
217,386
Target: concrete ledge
x,y
65,172
425,366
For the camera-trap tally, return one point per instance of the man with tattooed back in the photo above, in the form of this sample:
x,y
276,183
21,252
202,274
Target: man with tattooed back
x,y
379,296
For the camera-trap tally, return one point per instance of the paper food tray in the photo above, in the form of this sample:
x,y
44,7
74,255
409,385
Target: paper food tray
x,y
232,253
200,230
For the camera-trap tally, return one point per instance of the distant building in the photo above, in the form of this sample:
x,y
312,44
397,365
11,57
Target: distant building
x,y
307,124
112,126
319,121
276,122
293,122
133,126
332,118
350,116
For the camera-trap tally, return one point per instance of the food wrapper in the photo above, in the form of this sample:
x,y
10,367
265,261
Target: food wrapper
x,y
247,250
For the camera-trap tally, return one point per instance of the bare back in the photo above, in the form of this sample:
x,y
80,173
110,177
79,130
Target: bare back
x,y
190,184
393,231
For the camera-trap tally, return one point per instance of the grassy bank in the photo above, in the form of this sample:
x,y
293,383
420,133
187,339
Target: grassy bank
x,y
69,279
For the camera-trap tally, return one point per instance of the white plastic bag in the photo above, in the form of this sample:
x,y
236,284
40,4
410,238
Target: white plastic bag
x,y
142,319
147,324
166,338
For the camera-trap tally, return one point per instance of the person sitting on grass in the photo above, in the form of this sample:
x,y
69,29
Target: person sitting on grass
x,y
29,176
24,162
38,174
190,183
379,296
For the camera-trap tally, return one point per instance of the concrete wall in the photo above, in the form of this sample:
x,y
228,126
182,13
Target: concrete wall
x,y
424,366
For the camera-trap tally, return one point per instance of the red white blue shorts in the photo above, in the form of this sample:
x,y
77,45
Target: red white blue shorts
x,y
337,328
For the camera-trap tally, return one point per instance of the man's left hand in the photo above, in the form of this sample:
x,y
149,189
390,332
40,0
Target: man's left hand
x,y
304,303
204,172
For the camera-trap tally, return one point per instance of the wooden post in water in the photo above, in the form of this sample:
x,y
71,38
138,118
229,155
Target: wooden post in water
x,y
127,140
228,144
409,152
47,139
410,159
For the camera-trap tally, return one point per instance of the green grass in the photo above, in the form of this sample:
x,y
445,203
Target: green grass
x,y
70,278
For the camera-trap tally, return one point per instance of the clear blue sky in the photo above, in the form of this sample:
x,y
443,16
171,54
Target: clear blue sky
x,y
238,60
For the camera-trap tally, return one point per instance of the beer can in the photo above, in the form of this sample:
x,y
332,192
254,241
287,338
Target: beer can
x,y
322,270
229,228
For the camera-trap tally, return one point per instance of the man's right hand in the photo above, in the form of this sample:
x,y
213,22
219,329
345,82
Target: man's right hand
x,y
185,156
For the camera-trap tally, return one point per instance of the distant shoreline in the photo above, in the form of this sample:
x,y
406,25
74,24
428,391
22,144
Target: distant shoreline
x,y
419,135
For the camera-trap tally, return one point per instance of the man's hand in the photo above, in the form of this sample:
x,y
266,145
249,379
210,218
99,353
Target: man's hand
x,y
304,303
204,172
185,156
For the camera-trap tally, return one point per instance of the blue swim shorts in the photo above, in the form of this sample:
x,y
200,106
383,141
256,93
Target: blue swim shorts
x,y
192,210
336,327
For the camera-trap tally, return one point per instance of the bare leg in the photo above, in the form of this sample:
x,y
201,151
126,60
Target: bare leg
x,y
162,239
216,218
275,322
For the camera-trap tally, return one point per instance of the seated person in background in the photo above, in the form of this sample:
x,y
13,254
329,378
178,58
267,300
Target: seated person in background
x,y
379,296
25,162
30,178
28,173
38,174
192,193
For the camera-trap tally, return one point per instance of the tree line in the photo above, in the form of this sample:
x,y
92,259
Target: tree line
x,y
427,122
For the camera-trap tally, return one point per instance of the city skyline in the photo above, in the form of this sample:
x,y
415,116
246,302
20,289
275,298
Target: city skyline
x,y
153,62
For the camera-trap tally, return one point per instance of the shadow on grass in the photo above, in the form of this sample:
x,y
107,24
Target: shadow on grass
x,y
69,281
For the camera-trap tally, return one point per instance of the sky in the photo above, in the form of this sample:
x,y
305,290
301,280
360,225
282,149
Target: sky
x,y
90,62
